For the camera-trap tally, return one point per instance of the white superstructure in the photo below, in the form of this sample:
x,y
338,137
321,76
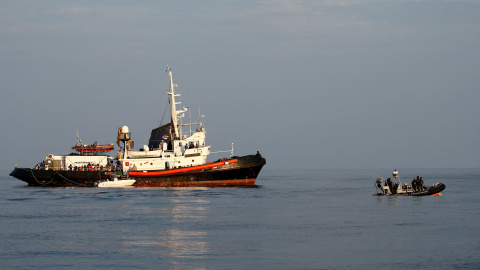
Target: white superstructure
x,y
169,147
67,162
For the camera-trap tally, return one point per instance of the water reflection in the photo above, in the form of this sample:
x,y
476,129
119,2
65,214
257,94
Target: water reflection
x,y
184,244
174,232
189,210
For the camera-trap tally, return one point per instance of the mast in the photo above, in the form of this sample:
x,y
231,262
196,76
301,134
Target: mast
x,y
175,113
79,141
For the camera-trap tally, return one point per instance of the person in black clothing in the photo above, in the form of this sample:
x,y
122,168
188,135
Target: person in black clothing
x,y
414,184
390,185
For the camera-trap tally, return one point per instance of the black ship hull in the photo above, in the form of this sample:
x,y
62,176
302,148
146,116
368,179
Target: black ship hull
x,y
241,173
52,178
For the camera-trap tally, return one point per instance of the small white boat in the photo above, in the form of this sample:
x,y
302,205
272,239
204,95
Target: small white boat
x,y
116,183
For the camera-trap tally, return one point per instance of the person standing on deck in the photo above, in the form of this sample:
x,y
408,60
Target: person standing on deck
x,y
390,185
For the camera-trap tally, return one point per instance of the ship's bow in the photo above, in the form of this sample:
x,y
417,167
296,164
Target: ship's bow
x,y
20,174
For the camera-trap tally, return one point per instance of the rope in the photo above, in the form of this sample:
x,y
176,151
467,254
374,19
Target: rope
x,y
73,182
39,181
165,111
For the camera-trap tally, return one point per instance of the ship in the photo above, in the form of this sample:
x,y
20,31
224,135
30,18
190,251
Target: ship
x,y
176,156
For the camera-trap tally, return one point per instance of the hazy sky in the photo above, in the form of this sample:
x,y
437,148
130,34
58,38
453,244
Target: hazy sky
x,y
311,84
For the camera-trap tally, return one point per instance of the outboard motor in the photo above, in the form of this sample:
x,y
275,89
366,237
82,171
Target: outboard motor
x,y
379,184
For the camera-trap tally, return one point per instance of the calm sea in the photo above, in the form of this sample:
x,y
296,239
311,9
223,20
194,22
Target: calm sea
x,y
300,219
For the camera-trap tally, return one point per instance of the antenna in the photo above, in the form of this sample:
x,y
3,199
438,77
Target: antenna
x,y
203,118
190,120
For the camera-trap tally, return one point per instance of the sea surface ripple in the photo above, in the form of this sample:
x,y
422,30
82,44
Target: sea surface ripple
x,y
293,219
